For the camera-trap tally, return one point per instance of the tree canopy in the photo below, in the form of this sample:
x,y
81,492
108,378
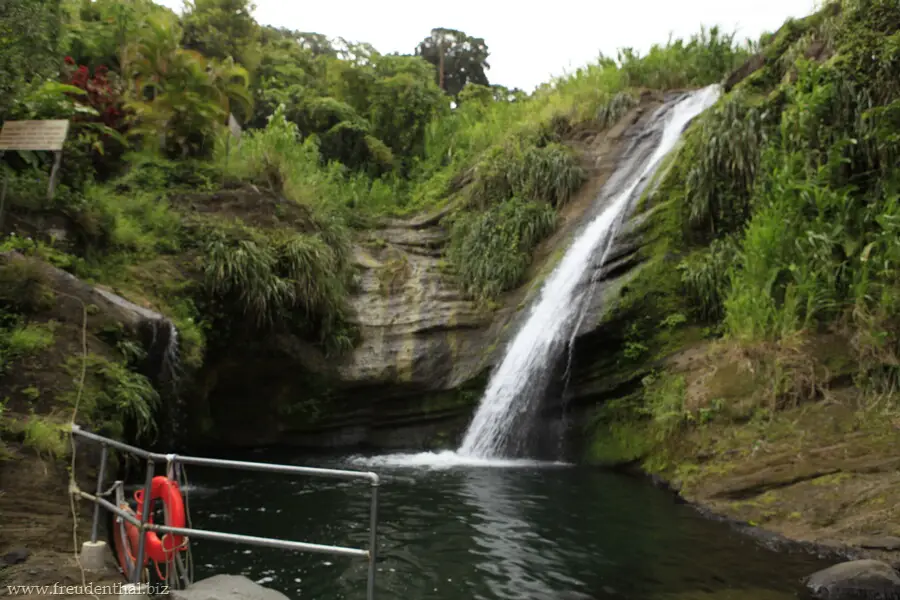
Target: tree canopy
x,y
29,38
222,29
458,58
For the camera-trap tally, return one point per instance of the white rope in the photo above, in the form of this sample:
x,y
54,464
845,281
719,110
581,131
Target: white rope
x,y
73,484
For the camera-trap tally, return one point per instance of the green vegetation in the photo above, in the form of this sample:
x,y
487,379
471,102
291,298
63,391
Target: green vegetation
x,y
19,340
492,249
344,135
23,285
458,59
780,214
775,222
46,437
28,30
114,396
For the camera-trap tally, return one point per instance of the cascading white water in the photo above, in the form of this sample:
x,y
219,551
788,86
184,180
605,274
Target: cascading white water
x,y
521,376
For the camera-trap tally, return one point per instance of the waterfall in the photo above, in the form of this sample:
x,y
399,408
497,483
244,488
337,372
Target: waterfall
x,y
170,369
518,384
162,365
165,344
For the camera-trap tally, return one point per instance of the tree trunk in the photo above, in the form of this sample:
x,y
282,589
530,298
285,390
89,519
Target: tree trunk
x,y
441,66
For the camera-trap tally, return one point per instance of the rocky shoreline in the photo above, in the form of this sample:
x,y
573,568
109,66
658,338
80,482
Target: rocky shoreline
x,y
866,570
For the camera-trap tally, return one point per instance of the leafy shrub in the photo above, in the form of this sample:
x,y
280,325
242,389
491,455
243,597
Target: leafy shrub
x,y
18,340
89,136
181,99
703,60
705,276
150,172
46,437
401,106
138,221
355,147
322,114
825,206
114,396
491,250
269,278
29,46
103,93
550,174
24,286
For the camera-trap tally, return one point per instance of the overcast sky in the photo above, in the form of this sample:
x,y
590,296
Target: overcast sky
x,y
529,41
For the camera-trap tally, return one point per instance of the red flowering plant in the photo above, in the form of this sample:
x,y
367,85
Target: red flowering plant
x,y
102,95
98,118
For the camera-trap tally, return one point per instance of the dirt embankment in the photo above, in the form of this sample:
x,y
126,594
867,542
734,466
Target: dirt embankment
x,y
37,528
36,516
817,461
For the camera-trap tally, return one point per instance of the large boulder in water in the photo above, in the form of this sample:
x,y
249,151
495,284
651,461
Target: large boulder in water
x,y
856,580
227,587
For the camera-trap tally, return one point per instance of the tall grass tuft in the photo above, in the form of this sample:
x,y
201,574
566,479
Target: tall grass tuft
x,y
705,276
246,271
18,340
617,107
114,396
25,286
137,221
550,174
46,437
703,60
491,250
728,142
280,278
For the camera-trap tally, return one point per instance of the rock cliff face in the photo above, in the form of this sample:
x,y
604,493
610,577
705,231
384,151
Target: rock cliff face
x,y
426,350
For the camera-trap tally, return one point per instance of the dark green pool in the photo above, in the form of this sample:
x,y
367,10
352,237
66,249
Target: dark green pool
x,y
487,533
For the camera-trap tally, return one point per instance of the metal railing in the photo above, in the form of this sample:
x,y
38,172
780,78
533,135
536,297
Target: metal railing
x,y
173,460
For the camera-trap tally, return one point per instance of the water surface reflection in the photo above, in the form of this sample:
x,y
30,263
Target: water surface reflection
x,y
526,532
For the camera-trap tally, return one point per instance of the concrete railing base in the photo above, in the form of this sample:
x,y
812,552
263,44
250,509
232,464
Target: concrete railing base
x,y
93,556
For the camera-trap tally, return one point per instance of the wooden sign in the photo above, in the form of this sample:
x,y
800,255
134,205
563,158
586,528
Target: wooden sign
x,y
33,135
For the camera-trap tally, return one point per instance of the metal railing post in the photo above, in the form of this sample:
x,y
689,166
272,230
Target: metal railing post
x,y
145,517
177,571
95,526
143,522
373,540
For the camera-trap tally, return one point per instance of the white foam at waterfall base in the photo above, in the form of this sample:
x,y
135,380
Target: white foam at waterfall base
x,y
446,460
551,317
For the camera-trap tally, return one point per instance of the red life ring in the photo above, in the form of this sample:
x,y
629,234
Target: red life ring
x,y
162,550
